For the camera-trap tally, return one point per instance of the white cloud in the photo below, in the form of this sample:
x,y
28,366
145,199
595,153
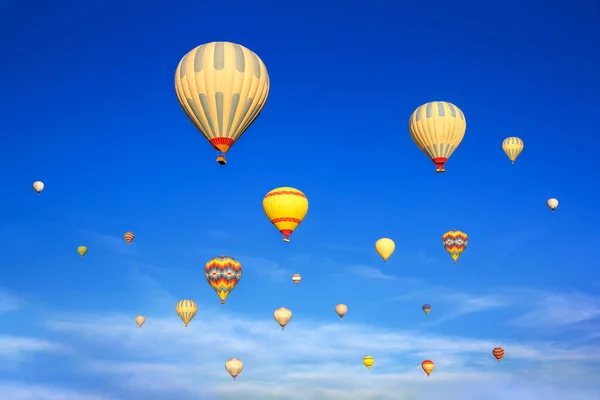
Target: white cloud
x,y
27,391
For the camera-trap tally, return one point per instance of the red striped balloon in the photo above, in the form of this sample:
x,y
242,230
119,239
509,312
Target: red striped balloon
x,y
128,237
498,352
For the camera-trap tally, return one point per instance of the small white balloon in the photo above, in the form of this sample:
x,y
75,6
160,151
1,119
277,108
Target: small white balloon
x,y
38,186
552,204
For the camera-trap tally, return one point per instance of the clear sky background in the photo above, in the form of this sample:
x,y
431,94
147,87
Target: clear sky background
x,y
88,106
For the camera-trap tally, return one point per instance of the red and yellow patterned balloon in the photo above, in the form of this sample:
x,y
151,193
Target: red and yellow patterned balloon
x,y
129,236
498,352
427,366
455,242
222,274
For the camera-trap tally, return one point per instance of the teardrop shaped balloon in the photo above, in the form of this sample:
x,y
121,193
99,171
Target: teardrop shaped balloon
x,y
223,273
234,366
140,320
341,310
186,309
498,352
38,186
82,250
427,366
512,146
426,308
455,242
129,236
222,87
385,248
437,128
368,361
296,278
552,204
285,207
283,316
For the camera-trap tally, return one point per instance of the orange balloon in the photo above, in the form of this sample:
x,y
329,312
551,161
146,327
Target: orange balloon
x,y
129,237
498,352
427,366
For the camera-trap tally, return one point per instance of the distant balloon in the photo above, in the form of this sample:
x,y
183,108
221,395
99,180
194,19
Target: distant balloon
x,y
455,242
234,366
129,237
426,308
139,320
498,352
437,128
38,186
427,366
82,250
296,278
222,87
282,316
286,208
385,248
223,273
186,309
512,146
368,361
552,204
341,310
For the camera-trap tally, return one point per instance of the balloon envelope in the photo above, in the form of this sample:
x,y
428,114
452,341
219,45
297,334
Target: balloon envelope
x,y
129,237
139,320
437,128
426,308
427,366
234,366
512,146
283,316
341,310
38,186
368,361
455,242
385,248
552,204
286,208
222,274
498,352
82,250
296,278
222,87
186,309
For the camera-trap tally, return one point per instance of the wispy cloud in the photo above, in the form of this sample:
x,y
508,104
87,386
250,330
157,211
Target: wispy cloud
x,y
27,391
264,267
9,302
14,346
114,243
424,258
371,273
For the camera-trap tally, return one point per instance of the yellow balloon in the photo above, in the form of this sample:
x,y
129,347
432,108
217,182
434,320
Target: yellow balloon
x,y
368,361
186,309
140,320
285,207
437,128
222,88
512,146
385,248
82,250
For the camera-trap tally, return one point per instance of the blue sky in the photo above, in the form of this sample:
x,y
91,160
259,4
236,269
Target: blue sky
x,y
89,108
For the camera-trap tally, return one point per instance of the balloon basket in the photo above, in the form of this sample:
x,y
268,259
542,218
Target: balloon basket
x,y
440,170
221,160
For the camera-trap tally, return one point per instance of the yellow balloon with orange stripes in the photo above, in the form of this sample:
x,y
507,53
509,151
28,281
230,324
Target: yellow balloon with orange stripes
x,y
285,207
129,236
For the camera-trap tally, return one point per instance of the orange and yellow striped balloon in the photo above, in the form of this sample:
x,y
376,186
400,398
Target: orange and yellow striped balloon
x,y
285,207
455,242
186,309
222,274
129,237
498,352
427,366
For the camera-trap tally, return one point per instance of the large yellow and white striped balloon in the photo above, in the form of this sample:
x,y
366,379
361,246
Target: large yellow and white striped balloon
x,y
513,146
222,87
186,309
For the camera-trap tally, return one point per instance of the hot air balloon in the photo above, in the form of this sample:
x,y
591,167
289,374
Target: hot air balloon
x,y
186,309
38,186
222,274
437,128
385,248
222,87
129,237
82,250
426,308
282,316
368,361
552,204
427,366
455,243
498,352
341,310
285,207
512,146
296,278
139,320
234,366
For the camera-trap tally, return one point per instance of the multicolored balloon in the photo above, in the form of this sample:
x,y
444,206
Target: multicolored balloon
x,y
296,278
512,146
498,352
455,242
427,366
385,248
426,308
82,250
129,236
223,273
186,309
286,208
552,204
437,128
222,87
368,361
